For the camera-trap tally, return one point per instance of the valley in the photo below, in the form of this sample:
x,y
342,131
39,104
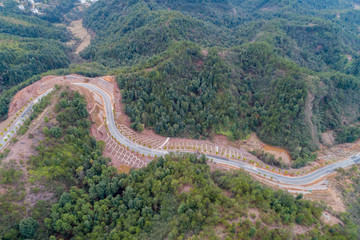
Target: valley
x,y
148,119
80,33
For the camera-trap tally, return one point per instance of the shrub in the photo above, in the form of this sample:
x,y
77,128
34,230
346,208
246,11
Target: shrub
x,y
28,227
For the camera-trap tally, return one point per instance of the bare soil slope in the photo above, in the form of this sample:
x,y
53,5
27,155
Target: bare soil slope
x,y
77,29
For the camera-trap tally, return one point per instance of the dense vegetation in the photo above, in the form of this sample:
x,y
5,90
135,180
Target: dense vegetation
x,y
348,134
195,69
54,167
177,98
197,94
130,32
125,26
199,68
284,69
25,58
57,11
28,46
269,158
175,196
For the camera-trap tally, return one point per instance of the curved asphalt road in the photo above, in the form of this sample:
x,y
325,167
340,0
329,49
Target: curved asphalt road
x,y
25,114
110,122
301,180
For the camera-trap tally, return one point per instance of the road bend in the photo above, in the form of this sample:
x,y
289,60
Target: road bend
x,y
299,180
110,121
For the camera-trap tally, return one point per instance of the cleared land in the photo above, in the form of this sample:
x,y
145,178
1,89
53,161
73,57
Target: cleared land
x,y
77,29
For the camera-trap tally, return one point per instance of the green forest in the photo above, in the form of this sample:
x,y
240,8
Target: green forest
x,y
194,69
29,46
174,197
288,70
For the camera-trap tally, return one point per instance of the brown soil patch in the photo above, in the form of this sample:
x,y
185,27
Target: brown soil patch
x,y
185,189
252,143
123,169
328,138
96,115
204,52
331,197
334,199
300,229
278,152
216,166
22,150
199,63
77,29
253,214
22,97
109,79
330,219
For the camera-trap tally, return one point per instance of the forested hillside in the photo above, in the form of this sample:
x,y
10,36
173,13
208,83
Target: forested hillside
x,y
287,70
129,32
282,69
28,46
307,32
173,197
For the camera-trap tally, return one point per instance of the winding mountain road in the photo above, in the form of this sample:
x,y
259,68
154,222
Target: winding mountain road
x,y
110,121
300,180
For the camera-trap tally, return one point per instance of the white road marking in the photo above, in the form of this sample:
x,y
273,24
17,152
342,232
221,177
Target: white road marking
x,y
164,142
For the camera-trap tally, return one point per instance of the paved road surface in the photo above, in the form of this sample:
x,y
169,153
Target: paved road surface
x,y
25,114
301,180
